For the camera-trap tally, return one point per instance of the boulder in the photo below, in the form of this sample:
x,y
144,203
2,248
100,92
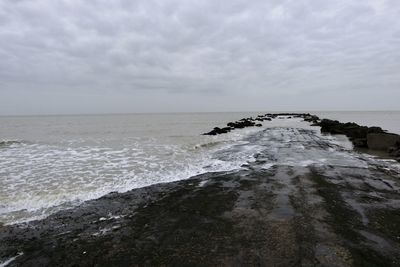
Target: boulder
x,y
310,118
394,151
382,141
227,129
218,130
379,140
330,126
360,142
375,129
355,131
350,129
258,125
241,124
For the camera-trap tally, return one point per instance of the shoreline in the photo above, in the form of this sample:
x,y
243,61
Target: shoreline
x,y
344,212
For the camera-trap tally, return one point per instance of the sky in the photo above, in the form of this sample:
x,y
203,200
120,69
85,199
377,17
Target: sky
x,y
121,56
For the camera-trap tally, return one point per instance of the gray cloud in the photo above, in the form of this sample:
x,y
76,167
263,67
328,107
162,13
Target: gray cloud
x,y
71,56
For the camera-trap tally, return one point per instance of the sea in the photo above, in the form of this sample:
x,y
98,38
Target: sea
x,y
51,163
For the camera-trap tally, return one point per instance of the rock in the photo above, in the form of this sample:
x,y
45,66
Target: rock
x,y
360,142
226,129
330,126
354,131
350,129
310,118
394,151
218,130
241,124
258,125
213,132
245,122
358,134
375,129
382,141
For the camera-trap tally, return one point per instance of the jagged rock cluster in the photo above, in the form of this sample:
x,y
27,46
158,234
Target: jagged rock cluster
x,y
251,122
373,138
356,133
243,123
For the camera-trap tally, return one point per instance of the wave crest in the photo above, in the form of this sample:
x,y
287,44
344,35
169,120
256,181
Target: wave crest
x,y
207,145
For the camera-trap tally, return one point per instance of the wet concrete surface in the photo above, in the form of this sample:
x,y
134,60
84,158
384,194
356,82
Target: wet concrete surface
x,y
303,201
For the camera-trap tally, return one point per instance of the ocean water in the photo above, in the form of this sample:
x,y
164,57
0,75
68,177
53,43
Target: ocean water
x,y
49,163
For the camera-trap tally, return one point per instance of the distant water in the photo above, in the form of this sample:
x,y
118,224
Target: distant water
x,y
55,162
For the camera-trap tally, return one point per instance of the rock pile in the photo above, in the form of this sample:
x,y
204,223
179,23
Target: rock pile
x,y
364,137
251,122
243,123
218,130
311,118
356,133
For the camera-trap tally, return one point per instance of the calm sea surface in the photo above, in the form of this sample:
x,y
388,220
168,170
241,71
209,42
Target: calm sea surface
x,y
50,163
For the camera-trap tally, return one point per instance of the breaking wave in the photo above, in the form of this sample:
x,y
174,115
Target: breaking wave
x,y
38,179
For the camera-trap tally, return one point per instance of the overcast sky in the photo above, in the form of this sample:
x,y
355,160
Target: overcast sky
x,y
103,56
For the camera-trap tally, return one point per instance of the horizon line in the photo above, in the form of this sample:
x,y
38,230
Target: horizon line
x,y
183,112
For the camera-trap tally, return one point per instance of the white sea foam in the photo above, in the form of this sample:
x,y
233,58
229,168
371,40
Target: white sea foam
x,y
39,179
7,262
202,183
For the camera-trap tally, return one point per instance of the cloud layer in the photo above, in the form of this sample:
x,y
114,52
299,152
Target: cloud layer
x,y
70,56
